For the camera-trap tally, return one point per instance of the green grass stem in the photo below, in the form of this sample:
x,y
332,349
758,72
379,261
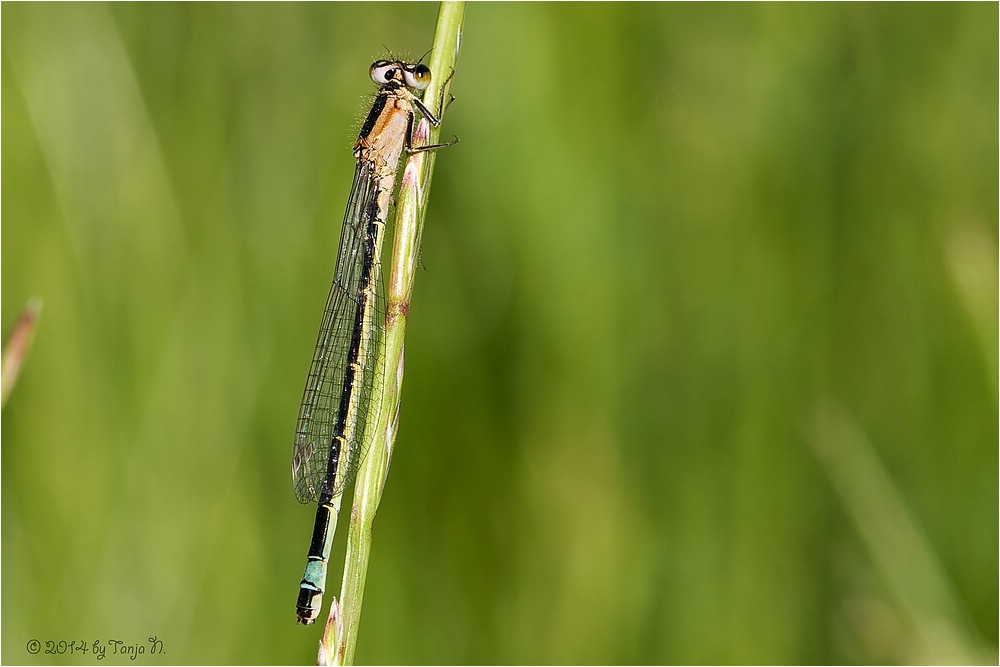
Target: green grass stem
x,y
340,638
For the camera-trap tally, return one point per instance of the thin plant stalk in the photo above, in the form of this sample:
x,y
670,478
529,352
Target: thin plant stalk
x,y
340,636
16,349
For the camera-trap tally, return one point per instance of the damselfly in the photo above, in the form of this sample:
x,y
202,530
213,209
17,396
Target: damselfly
x,y
346,374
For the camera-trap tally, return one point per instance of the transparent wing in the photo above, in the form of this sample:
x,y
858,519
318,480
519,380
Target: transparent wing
x,y
335,402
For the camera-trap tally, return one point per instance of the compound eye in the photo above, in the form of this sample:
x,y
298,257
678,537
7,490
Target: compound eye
x,y
383,71
417,76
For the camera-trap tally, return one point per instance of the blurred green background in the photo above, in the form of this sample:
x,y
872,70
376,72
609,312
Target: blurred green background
x,y
702,367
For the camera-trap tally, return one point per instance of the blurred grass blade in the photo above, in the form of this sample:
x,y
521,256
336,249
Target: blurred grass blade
x,y
340,641
899,548
16,349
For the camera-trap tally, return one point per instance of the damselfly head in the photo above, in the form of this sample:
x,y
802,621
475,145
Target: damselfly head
x,y
412,75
